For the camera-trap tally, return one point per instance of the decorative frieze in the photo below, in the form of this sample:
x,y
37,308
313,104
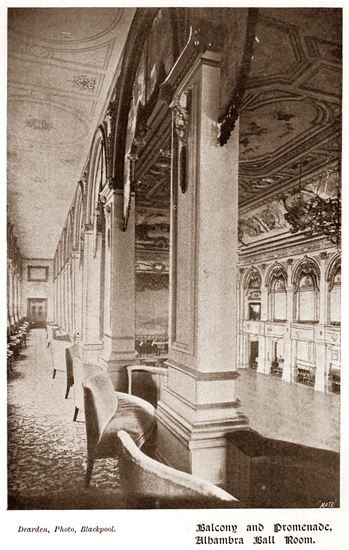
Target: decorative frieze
x,y
152,281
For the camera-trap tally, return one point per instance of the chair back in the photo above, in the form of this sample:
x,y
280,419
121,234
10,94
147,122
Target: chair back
x,y
149,386
50,330
70,353
143,476
100,404
58,353
82,370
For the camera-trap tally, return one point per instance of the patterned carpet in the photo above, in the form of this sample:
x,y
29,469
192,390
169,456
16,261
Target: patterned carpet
x,y
46,449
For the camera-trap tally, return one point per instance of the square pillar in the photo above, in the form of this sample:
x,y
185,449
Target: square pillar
x,y
199,405
119,289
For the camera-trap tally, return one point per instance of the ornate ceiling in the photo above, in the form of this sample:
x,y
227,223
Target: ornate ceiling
x,y
59,74
291,113
61,65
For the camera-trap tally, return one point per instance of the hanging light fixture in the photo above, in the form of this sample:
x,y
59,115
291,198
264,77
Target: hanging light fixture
x,y
316,209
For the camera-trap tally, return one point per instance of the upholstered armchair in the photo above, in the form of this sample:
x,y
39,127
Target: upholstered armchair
x,y
58,344
148,483
50,330
148,387
107,412
81,370
70,353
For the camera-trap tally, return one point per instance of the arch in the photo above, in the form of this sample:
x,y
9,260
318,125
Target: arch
x,y
307,266
332,270
277,270
138,35
276,281
77,218
333,278
253,275
97,176
252,294
69,235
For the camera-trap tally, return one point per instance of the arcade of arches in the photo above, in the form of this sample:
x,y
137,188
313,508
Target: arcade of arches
x,y
206,215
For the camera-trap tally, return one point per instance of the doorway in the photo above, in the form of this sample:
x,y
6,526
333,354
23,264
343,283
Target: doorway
x,y
37,312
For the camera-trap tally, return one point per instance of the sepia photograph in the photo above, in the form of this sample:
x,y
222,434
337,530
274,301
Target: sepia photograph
x,y
173,286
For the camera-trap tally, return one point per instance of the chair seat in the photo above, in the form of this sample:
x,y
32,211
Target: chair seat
x,y
135,416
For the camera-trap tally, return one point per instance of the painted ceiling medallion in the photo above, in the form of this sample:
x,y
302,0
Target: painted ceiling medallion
x,y
38,124
84,82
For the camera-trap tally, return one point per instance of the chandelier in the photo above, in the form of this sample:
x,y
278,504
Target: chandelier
x,y
316,208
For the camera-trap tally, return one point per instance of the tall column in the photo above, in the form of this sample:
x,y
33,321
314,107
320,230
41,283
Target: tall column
x,y
77,295
119,305
91,342
289,357
264,360
199,405
320,346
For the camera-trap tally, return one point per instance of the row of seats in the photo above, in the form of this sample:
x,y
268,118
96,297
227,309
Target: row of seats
x,y
16,340
123,426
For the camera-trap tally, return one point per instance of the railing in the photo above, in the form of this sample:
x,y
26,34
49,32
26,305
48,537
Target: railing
x,y
277,368
305,374
151,345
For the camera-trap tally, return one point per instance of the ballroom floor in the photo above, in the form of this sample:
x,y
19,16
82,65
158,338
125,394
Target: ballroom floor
x,y
46,449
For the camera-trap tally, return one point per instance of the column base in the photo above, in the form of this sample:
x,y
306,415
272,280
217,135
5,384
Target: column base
x,y
116,360
90,352
197,447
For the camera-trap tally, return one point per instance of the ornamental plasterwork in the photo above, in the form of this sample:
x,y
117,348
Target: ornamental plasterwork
x,y
263,220
277,272
335,277
38,124
84,82
152,281
181,116
253,280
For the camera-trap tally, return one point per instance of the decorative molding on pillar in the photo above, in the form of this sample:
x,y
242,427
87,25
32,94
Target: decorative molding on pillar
x,y
106,199
107,216
181,109
204,376
203,36
180,116
129,188
97,225
110,122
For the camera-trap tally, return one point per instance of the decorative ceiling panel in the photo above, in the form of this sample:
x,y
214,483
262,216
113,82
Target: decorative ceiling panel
x,y
290,115
61,65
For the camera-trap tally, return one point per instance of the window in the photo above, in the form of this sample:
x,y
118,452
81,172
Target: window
x,y
335,296
254,311
307,295
253,295
278,301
